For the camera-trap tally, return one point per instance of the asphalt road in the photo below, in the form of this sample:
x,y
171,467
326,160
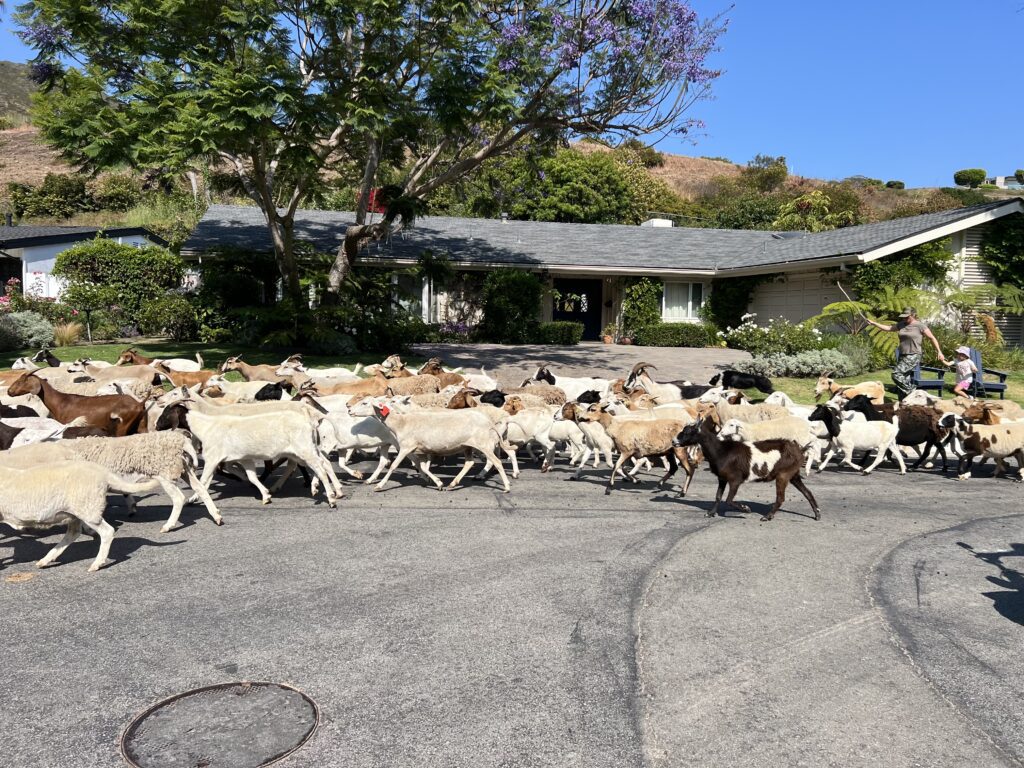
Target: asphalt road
x,y
554,626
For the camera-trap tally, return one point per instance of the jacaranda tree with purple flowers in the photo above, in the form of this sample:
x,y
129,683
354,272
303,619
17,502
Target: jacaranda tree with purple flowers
x,y
279,89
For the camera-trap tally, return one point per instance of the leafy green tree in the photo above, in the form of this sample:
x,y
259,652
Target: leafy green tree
x,y
1002,248
276,91
812,212
1019,175
648,156
575,187
87,297
511,307
969,177
136,275
765,173
895,184
746,211
921,266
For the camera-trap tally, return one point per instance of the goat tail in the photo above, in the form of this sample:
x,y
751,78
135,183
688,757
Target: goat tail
x,y
199,359
119,484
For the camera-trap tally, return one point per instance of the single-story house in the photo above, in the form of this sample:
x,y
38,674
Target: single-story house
x,y
29,253
585,260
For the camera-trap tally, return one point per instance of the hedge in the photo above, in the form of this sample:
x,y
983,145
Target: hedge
x,y
673,335
564,332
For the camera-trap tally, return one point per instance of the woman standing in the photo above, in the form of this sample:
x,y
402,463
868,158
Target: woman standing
x,y
911,331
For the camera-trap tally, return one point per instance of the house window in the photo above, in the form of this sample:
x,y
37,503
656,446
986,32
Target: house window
x,y
682,301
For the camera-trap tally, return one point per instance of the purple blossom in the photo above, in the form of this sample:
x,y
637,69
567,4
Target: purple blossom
x,y
512,33
41,72
44,36
508,65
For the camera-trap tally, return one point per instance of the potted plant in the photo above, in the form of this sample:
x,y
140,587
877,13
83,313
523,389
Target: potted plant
x,y
609,333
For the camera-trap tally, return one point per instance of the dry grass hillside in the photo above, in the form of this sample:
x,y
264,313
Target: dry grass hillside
x,y
24,158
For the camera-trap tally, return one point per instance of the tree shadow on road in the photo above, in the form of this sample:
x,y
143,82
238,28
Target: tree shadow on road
x,y
1010,602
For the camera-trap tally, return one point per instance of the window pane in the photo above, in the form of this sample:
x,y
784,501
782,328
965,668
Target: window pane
x,y
677,296
696,298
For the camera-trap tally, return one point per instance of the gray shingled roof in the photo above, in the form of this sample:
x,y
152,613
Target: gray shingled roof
x,y
551,245
25,236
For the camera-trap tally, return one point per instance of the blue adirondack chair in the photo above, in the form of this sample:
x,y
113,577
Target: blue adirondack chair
x,y
937,383
982,388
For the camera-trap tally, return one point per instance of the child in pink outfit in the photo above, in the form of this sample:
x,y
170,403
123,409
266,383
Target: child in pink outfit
x,y
965,370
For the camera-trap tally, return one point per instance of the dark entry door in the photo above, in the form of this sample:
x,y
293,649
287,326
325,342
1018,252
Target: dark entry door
x,y
9,267
579,300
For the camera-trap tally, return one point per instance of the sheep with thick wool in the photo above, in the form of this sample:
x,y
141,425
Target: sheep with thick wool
x,y
166,457
636,439
63,493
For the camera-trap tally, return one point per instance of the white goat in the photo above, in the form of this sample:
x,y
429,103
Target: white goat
x,y
65,492
850,436
443,433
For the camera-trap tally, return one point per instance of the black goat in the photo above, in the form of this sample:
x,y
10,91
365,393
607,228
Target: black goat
x,y
918,424
589,397
7,435
44,355
736,380
734,463
493,397
16,411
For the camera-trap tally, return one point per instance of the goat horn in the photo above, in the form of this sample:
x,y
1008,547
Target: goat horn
x,y
640,366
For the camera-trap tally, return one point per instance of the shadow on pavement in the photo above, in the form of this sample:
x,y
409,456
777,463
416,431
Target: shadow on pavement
x,y
1008,603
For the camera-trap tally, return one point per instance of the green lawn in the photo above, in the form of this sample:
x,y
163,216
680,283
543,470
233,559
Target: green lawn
x,y
213,354
802,390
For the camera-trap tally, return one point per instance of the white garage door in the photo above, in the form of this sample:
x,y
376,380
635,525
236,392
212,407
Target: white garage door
x,y
796,297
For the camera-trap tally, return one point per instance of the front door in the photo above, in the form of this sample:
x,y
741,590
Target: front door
x,y
579,300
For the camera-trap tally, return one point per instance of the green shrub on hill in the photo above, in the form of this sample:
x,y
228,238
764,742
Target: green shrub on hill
x,y
969,177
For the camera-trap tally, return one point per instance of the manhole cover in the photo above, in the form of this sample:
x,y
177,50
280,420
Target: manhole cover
x,y
233,725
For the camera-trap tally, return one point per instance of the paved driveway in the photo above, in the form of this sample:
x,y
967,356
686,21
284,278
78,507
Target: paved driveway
x,y
555,626
514,363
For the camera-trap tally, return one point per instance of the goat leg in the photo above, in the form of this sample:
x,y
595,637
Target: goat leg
x,y
73,532
807,495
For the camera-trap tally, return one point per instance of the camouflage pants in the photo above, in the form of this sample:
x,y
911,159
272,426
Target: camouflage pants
x,y
903,374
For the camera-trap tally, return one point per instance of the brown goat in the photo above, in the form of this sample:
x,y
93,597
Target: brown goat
x,y
253,372
445,378
982,413
185,378
875,390
118,415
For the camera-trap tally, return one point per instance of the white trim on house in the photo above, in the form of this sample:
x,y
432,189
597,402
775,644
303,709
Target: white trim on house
x,y
553,269
935,234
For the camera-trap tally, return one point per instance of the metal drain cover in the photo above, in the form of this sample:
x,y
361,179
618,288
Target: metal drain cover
x,y
232,725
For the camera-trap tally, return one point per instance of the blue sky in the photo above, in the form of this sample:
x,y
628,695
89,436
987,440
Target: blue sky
x,y
901,89
893,90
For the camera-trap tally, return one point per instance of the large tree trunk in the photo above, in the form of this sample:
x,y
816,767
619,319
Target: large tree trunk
x,y
346,255
282,234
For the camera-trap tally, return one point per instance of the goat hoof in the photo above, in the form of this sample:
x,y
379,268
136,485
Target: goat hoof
x,y
963,477
266,501
218,520
765,519
377,489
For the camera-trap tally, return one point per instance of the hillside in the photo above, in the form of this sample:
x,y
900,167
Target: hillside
x,y
16,90
25,159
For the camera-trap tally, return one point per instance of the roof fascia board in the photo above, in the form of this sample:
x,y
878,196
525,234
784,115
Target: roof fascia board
x,y
790,266
559,268
943,231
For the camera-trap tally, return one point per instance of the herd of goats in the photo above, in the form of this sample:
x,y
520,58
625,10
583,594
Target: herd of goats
x,y
71,432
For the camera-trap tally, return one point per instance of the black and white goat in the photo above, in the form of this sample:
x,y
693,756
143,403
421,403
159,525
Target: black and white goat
x,y
734,463
663,391
736,380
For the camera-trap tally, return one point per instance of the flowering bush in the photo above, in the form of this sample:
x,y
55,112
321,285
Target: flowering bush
x,y
802,364
453,332
778,337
